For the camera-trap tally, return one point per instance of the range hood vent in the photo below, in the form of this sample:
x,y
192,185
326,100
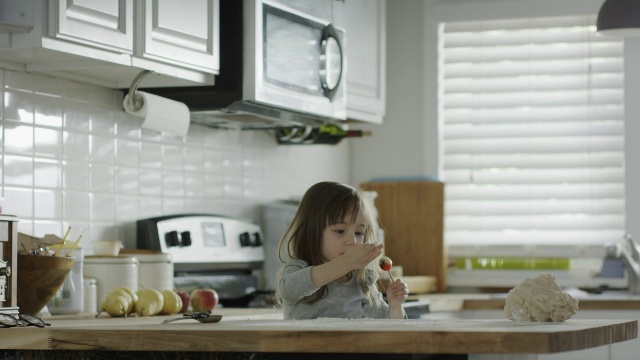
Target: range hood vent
x,y
249,115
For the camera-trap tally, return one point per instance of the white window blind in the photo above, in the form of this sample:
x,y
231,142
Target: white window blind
x,y
532,117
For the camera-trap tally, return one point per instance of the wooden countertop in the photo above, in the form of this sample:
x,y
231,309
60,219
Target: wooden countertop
x,y
264,330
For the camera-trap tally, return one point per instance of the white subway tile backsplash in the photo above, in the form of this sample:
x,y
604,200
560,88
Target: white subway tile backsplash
x,y
75,146
148,135
196,135
18,106
75,176
172,157
77,116
126,208
102,149
173,183
213,185
232,165
102,178
127,152
18,138
220,139
47,173
233,187
18,201
194,185
213,161
127,126
171,139
102,122
102,207
46,227
252,188
173,205
150,182
18,170
193,158
76,206
127,180
25,225
150,155
149,206
47,110
47,143
99,231
47,204
87,164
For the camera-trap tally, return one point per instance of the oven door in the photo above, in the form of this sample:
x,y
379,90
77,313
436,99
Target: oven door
x,y
299,59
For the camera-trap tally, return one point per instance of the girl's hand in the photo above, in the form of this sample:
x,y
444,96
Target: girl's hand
x,y
359,256
397,292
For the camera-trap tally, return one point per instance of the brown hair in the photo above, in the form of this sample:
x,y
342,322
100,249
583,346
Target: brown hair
x,y
325,204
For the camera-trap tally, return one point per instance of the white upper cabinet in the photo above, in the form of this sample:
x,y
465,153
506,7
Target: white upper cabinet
x,y
366,60
178,32
99,23
108,42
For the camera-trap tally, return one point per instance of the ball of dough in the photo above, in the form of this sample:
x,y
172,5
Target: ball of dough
x,y
540,299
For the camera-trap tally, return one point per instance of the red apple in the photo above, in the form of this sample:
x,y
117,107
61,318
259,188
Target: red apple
x,y
203,299
185,300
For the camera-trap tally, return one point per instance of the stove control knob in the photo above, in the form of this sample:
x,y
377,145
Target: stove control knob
x,y
257,239
5,271
172,238
186,238
245,239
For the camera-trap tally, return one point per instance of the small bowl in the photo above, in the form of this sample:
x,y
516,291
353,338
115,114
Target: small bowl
x,y
106,247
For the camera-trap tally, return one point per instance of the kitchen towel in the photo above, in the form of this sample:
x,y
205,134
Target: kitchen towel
x,y
160,113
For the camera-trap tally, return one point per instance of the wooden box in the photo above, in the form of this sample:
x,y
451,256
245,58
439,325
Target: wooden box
x,y
411,214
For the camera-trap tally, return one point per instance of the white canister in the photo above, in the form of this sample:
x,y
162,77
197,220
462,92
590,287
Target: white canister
x,y
111,272
90,296
70,297
155,272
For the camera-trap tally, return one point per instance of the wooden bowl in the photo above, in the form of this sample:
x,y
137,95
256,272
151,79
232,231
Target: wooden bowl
x,y
39,279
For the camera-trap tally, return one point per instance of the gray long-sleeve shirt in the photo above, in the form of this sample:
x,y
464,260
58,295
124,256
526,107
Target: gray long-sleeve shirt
x,y
344,300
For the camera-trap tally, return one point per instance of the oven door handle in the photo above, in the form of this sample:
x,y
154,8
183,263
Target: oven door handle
x,y
330,48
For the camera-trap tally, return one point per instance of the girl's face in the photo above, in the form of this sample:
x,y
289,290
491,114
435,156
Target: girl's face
x,y
337,238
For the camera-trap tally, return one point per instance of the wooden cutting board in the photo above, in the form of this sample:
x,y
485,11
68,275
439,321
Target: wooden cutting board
x,y
411,213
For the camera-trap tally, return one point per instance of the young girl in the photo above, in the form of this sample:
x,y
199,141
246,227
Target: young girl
x,y
331,243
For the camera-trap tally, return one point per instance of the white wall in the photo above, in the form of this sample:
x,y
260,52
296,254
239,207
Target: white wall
x,y
402,146
69,156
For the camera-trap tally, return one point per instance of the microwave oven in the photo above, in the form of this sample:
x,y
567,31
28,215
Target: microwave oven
x,y
282,63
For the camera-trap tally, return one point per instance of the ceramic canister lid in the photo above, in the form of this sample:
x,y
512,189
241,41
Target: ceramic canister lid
x,y
154,258
111,260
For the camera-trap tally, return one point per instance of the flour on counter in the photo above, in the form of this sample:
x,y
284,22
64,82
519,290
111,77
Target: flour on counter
x,y
540,299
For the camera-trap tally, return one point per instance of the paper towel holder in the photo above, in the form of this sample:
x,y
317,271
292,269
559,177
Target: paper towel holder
x,y
136,101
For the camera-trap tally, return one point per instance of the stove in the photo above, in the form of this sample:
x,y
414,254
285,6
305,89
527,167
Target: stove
x,y
210,251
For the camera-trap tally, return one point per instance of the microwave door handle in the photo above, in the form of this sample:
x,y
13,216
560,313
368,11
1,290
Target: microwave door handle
x,y
328,46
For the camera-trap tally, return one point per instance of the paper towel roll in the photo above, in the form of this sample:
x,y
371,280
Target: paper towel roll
x,y
160,113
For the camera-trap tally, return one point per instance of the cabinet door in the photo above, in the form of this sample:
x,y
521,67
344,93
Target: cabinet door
x,y
106,24
366,59
184,33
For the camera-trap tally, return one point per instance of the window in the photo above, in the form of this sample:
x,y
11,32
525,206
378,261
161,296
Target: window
x,y
532,119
